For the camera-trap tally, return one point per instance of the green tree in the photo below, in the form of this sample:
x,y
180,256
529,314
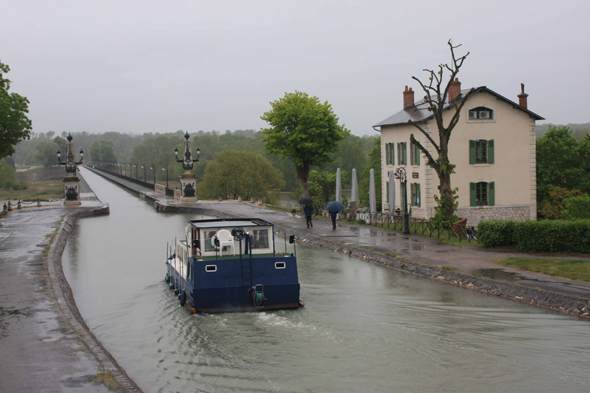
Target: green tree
x,y
436,101
47,153
102,151
234,173
322,185
61,143
14,123
553,207
561,162
364,182
6,174
577,208
304,130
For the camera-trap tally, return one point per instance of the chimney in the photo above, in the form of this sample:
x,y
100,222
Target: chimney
x,y
454,89
522,97
408,97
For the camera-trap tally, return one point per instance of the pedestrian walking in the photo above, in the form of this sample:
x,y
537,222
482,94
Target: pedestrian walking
x,y
308,210
333,216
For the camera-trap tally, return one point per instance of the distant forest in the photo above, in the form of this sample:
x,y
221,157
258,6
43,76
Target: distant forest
x,y
579,130
158,150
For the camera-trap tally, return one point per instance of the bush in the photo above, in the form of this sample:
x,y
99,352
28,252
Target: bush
x,y
538,236
496,233
577,208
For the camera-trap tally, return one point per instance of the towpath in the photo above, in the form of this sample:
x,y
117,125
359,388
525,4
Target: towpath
x,y
429,251
44,344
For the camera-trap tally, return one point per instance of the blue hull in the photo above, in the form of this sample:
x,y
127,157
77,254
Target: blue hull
x,y
250,283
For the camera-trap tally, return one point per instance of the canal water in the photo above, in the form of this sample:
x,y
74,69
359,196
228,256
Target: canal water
x,y
364,327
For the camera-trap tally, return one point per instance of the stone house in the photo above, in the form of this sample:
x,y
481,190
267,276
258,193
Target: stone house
x,y
492,146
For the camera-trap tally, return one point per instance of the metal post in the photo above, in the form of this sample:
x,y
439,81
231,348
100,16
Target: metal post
x,y
144,173
406,214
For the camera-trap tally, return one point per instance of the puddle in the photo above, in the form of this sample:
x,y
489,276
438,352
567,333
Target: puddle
x,y
496,274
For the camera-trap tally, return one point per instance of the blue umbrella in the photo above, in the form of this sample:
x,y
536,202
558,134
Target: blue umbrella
x,y
335,207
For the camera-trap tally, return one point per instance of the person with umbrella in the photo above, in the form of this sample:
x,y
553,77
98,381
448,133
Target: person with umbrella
x,y
308,210
334,208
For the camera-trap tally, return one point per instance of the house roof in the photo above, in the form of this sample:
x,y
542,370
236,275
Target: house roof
x,y
416,113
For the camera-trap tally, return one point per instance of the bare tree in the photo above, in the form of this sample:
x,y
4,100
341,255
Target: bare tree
x,y
436,101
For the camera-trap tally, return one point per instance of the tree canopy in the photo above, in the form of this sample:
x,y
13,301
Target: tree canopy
x,y
14,123
562,162
102,151
235,173
303,130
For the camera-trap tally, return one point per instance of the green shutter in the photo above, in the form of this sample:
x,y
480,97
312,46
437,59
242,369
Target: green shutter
x,y
387,154
399,156
491,193
417,158
472,194
491,151
418,196
411,154
387,185
471,152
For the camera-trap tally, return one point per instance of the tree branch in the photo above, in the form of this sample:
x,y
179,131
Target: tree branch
x,y
425,134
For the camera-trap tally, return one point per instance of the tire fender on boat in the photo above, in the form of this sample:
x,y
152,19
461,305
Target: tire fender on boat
x,y
167,278
182,299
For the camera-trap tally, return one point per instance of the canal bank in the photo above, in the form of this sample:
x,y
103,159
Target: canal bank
x,y
45,344
415,255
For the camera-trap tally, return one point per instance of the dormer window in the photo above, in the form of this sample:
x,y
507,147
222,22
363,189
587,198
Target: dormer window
x,y
481,113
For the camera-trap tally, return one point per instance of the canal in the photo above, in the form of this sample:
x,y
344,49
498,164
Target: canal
x,y
364,327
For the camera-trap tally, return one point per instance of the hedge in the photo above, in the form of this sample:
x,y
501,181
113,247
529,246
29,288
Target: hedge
x,y
551,236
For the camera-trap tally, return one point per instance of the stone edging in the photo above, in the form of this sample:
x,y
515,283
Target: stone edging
x,y
67,303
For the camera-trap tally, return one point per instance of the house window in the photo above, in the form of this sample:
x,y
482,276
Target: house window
x,y
481,113
483,193
414,154
481,151
401,153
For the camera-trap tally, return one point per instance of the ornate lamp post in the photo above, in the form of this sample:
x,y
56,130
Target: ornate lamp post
x,y
400,173
136,169
71,181
188,181
166,169
144,170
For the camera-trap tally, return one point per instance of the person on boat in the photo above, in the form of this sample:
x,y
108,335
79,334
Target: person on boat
x,y
333,216
308,210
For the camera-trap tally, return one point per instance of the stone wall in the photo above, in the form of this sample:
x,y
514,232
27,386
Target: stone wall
x,y
475,215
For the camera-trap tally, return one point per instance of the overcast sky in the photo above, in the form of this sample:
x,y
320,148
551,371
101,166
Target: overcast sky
x,y
162,66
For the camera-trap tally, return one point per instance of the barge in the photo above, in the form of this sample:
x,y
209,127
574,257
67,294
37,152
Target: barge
x,y
231,265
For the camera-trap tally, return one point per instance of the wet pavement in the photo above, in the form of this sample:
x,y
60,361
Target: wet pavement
x,y
464,259
41,350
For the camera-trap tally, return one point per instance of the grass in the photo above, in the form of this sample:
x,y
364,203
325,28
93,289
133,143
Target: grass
x,y
572,269
44,190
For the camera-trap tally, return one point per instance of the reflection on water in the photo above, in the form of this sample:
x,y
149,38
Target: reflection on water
x,y
364,327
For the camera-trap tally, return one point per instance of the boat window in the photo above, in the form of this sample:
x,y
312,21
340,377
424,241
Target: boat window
x,y
211,268
259,238
280,265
